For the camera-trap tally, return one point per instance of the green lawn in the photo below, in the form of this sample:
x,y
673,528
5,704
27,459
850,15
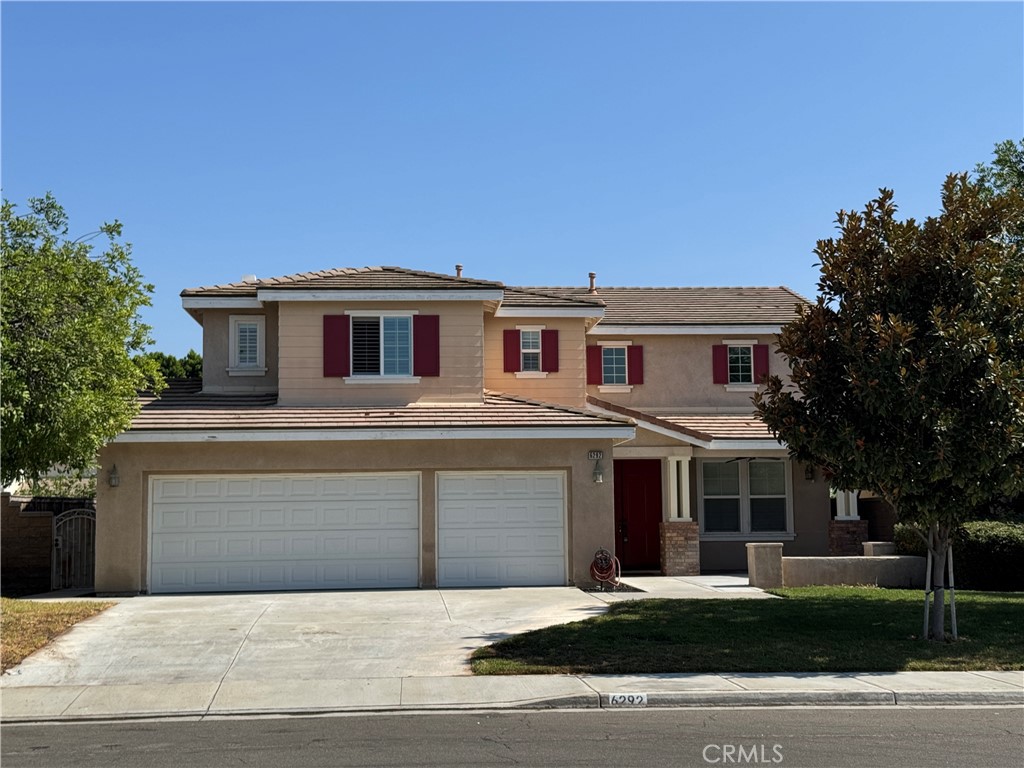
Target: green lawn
x,y
813,629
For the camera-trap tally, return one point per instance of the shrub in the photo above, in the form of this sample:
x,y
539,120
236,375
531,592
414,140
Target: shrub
x,y
987,554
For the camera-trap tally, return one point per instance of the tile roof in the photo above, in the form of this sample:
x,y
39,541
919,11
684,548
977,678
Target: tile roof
x,y
689,306
184,407
531,297
359,278
703,427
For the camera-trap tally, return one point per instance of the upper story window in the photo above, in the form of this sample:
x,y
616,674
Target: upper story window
x,y
382,346
529,342
615,366
741,364
745,497
530,351
247,345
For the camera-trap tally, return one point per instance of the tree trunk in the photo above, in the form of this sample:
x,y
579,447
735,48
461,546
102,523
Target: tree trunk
x,y
939,545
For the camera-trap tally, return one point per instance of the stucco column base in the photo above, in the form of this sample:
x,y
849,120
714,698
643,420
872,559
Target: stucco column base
x,y
846,537
764,564
879,548
680,548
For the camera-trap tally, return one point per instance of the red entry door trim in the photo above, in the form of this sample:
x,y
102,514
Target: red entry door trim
x,y
638,513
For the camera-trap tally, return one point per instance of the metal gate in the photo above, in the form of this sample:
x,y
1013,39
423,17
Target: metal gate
x,y
74,549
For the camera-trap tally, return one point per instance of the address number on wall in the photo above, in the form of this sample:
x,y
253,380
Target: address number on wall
x,y
628,699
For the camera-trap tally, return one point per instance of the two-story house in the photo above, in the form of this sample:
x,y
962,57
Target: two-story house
x,y
386,427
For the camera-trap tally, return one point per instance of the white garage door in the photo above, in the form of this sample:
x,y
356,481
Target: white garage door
x,y
500,529
275,532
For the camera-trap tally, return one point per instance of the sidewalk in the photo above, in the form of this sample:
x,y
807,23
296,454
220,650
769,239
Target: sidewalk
x,y
295,697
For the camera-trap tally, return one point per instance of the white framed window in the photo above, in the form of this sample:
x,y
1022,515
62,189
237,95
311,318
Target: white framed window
x,y
529,350
741,364
749,498
381,345
247,345
613,366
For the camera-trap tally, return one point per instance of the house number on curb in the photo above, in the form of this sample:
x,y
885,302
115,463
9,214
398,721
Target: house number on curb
x,y
627,699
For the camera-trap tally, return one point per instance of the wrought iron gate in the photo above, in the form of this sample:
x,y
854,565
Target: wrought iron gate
x,y
74,549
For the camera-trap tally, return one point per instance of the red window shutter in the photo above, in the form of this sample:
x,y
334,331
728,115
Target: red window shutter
x,y
513,362
634,365
549,351
720,363
595,373
760,362
336,345
426,345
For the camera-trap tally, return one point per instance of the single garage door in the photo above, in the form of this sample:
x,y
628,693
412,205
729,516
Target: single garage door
x,y
278,532
500,529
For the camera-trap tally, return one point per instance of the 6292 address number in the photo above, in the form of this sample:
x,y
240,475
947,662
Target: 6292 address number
x,y
628,699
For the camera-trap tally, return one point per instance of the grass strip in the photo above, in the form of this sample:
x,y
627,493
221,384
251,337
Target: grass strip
x,y
812,629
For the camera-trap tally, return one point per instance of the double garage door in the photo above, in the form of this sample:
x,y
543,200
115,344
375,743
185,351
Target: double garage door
x,y
353,531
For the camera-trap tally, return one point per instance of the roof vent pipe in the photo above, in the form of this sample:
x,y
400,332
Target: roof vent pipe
x,y
248,278
593,282
458,270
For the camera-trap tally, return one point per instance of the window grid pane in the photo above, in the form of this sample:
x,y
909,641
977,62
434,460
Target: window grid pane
x,y
741,366
768,514
248,344
397,346
767,478
721,478
722,515
613,367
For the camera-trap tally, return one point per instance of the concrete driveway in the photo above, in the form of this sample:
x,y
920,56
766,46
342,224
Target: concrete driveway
x,y
202,639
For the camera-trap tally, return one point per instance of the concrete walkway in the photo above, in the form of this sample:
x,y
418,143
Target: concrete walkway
x,y
199,656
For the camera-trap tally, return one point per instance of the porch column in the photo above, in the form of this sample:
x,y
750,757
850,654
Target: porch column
x,y
846,505
680,547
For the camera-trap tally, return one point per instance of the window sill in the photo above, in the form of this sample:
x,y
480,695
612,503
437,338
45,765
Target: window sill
x,y
746,536
620,388
381,380
247,371
531,374
741,387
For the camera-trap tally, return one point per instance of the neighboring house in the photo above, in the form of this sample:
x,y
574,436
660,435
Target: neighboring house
x,y
386,427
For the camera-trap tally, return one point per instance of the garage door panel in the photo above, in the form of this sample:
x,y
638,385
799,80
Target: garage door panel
x,y
283,532
501,529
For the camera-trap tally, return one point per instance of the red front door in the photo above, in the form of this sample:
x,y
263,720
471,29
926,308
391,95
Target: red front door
x,y
638,513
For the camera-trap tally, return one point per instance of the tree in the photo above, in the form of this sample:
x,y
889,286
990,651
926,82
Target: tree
x,y
1005,172
70,324
908,371
188,367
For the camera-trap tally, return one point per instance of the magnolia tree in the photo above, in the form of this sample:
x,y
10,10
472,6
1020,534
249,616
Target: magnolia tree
x,y
70,325
907,373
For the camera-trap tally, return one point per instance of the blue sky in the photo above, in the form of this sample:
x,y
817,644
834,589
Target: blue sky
x,y
655,143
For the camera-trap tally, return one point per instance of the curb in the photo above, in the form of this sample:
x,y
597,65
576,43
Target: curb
x,y
688,699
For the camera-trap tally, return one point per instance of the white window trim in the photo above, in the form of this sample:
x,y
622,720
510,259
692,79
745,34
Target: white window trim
x,y
381,378
615,388
745,533
538,374
531,374
740,386
614,343
234,369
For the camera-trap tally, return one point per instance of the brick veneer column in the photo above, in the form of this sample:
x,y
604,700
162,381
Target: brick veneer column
x,y
680,548
847,537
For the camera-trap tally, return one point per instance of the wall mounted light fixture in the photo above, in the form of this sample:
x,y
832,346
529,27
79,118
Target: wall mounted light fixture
x,y
809,472
598,472
113,479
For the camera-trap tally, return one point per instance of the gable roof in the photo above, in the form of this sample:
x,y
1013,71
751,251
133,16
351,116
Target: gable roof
x,y
689,306
357,278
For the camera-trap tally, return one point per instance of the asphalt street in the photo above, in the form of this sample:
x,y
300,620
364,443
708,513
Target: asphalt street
x,y
857,737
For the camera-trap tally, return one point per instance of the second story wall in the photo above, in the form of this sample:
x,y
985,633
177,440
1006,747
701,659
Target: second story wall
x,y
302,378
221,334
566,386
678,372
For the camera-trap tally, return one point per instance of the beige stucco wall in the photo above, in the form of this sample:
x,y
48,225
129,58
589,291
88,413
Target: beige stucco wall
x,y
678,373
301,339
122,532
566,386
216,341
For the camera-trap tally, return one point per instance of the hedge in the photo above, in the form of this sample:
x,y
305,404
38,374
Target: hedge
x,y
986,554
